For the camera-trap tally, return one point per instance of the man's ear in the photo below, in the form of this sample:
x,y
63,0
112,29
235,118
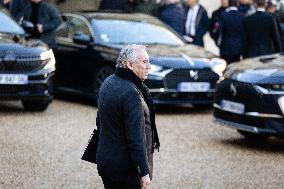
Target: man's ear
x,y
129,65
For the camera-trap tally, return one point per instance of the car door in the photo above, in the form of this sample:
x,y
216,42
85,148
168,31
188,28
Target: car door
x,y
71,55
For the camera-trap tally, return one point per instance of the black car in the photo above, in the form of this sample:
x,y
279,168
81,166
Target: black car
x,y
89,44
26,67
250,98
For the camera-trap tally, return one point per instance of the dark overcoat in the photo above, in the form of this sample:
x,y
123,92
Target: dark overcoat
x,y
125,141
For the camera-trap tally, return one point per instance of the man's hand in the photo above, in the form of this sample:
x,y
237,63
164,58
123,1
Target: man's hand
x,y
6,2
145,182
39,28
188,39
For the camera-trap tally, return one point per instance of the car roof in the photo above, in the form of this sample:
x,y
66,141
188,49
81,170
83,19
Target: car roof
x,y
117,15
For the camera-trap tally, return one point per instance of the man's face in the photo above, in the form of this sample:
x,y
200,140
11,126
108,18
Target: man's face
x,y
192,2
142,65
224,3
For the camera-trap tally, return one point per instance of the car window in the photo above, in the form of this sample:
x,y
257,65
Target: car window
x,y
8,25
76,25
128,32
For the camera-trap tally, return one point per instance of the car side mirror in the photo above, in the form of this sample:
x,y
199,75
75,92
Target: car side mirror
x,y
28,26
82,38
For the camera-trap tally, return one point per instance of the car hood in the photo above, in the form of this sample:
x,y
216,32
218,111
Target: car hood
x,y
21,47
179,57
259,70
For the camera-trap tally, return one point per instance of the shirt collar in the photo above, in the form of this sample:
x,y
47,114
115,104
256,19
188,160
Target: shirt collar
x,y
231,9
260,9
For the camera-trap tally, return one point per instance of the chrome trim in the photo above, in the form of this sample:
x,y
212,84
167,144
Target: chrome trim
x,y
254,114
243,127
174,90
268,91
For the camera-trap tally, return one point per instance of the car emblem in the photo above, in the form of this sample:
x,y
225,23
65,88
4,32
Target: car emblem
x,y
9,56
233,89
193,74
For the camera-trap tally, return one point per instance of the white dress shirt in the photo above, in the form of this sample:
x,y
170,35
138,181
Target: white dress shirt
x,y
191,20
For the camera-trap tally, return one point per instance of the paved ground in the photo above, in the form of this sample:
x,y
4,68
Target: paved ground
x,y
43,150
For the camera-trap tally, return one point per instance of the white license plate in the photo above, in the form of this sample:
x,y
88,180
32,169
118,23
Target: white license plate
x,y
193,87
233,107
13,79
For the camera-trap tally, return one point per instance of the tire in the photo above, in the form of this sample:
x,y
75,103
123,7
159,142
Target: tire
x,y
100,76
253,136
35,105
203,106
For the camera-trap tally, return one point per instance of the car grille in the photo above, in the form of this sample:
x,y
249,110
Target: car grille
x,y
205,75
245,94
12,89
21,65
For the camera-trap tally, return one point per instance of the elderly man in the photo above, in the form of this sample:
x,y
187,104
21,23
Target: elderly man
x,y
46,20
126,122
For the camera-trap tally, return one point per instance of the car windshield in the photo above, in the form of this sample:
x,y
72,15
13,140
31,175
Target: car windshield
x,y
7,25
130,32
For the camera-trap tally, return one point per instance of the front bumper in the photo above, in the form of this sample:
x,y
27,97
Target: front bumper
x,y
39,87
173,97
254,122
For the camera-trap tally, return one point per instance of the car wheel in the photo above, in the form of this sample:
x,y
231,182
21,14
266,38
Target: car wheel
x,y
100,76
35,105
254,136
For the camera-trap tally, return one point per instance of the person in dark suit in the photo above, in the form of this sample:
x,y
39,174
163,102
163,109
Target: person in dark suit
x,y
45,18
126,124
261,33
214,22
196,23
231,32
15,7
112,5
172,13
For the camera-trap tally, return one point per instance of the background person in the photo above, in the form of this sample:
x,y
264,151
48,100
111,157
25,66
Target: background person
x,y
215,19
172,13
129,136
261,33
196,22
231,32
15,7
45,19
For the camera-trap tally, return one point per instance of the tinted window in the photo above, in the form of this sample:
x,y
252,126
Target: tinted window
x,y
7,25
128,32
77,25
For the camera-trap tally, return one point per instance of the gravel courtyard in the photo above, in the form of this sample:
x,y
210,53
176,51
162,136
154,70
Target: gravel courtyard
x,y
43,150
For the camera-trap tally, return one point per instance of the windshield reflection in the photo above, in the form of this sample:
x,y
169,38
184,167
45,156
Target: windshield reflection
x,y
7,25
130,32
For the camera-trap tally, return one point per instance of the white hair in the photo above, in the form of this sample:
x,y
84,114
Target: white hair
x,y
128,53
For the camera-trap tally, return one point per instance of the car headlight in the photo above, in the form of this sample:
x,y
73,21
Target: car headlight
x,y
155,68
281,103
48,59
218,65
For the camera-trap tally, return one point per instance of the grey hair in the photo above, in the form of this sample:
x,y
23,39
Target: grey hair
x,y
128,54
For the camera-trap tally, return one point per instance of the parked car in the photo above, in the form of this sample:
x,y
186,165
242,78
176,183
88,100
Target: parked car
x,y
89,44
26,67
250,98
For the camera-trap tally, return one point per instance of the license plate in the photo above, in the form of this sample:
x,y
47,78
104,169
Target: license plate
x,y
193,87
13,79
233,107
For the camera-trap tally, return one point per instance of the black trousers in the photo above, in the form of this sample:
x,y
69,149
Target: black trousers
x,y
111,184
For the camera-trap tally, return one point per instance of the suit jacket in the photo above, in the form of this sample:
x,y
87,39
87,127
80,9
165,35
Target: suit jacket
x,y
202,24
261,35
50,18
173,15
231,33
125,140
214,22
15,7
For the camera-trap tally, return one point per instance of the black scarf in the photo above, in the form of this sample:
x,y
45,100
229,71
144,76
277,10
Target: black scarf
x,y
125,73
